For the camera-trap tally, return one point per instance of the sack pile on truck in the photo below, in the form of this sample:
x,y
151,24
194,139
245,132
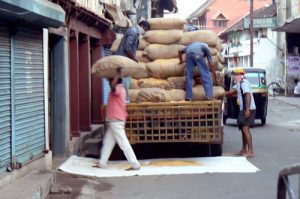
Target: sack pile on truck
x,y
106,67
158,52
166,80
164,39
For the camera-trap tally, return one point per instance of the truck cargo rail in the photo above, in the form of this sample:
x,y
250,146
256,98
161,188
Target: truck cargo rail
x,y
197,121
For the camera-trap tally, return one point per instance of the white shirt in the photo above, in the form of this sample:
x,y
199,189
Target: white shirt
x,y
245,85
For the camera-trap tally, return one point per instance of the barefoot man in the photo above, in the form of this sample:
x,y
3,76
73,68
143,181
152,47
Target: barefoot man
x,y
246,117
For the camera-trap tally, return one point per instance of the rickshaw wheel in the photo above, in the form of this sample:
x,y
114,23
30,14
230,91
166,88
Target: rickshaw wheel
x,y
264,117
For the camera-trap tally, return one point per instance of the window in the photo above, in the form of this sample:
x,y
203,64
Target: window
x,y
255,35
220,23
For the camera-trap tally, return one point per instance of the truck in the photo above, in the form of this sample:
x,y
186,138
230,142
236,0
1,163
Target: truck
x,y
176,122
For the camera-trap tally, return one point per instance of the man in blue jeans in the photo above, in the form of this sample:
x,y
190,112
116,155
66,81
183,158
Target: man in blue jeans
x,y
195,56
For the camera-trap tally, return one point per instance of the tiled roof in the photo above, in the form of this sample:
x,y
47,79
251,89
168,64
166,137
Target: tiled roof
x,y
199,11
268,11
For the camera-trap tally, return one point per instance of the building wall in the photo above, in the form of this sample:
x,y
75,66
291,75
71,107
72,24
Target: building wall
x,y
286,11
295,8
265,57
281,40
233,13
264,51
93,6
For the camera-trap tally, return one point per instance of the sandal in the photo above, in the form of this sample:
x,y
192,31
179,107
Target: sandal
x,y
98,165
240,153
133,168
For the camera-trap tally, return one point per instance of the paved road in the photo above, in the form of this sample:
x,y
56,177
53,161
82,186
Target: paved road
x,y
276,145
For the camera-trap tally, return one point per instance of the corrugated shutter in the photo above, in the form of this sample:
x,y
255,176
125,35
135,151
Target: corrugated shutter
x,y
28,94
5,99
105,83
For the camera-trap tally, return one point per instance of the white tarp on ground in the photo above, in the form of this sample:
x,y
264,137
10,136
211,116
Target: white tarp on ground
x,y
171,166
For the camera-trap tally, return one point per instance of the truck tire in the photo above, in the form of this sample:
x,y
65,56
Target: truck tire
x,y
224,119
215,150
263,120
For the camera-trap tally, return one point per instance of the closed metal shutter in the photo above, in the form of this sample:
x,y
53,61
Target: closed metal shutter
x,y
5,99
28,90
105,83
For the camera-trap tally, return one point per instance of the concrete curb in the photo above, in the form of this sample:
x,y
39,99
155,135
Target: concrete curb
x,y
35,185
287,101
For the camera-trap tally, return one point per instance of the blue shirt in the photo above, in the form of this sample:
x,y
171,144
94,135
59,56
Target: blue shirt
x,y
198,49
246,87
129,42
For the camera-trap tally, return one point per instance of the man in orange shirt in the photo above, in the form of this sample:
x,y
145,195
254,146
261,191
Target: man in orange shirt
x,y
115,119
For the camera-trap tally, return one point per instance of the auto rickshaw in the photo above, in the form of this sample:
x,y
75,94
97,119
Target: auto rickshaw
x,y
257,79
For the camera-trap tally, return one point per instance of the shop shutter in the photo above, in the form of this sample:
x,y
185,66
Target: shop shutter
x,y
5,99
105,83
28,84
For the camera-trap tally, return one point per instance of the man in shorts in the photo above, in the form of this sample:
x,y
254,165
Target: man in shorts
x,y
246,117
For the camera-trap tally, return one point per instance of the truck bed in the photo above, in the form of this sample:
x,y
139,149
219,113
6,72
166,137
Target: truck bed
x,y
197,121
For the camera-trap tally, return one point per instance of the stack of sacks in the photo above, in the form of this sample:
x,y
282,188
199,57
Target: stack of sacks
x,y
158,51
106,67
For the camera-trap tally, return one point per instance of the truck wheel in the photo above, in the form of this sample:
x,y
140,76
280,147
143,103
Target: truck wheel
x,y
224,120
215,149
263,120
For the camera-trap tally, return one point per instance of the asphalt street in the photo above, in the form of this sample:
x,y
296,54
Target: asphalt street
x,y
276,145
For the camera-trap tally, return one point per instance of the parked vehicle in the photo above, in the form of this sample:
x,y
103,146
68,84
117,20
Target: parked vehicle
x,y
193,122
176,122
257,79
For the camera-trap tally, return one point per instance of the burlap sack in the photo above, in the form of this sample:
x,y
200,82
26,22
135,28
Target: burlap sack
x,y
154,83
177,94
204,36
142,44
133,93
213,51
219,45
215,63
164,68
115,44
141,56
221,58
106,67
220,77
134,84
199,94
178,82
160,51
153,95
166,23
220,67
163,36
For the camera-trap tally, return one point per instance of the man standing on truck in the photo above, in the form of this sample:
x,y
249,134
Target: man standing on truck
x,y
115,120
128,46
246,118
195,56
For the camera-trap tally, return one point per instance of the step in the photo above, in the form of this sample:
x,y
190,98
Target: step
x,y
35,185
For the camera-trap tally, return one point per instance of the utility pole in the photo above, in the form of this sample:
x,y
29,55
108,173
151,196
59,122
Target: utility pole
x,y
251,33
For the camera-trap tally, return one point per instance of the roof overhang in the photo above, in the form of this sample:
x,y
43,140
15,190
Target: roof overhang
x,y
117,15
40,12
292,25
